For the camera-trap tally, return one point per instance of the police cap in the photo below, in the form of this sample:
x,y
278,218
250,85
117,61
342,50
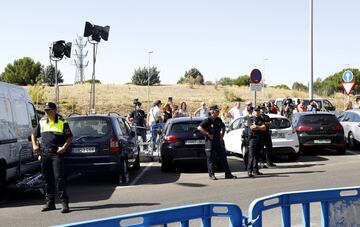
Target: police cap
x,y
249,108
50,106
214,108
257,108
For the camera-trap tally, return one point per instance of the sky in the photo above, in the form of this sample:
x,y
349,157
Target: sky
x,y
225,38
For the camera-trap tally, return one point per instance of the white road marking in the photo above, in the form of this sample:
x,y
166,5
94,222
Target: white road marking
x,y
132,184
141,174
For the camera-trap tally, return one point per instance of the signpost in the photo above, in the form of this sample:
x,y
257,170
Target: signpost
x,y
255,78
348,85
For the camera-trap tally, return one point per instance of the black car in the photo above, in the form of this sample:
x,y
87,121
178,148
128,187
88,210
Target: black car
x,y
319,130
102,143
181,142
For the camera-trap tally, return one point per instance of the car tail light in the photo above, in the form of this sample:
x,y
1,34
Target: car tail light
x,y
114,145
170,138
338,128
303,128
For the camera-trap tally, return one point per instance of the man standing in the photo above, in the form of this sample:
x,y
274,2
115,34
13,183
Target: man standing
x,y
236,111
267,141
257,128
214,129
245,136
56,137
154,118
137,118
202,110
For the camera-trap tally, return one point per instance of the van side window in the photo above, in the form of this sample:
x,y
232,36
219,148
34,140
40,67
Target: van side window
x,y
33,116
21,114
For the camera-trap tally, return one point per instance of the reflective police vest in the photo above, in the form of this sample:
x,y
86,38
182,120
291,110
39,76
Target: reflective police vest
x,y
52,133
54,127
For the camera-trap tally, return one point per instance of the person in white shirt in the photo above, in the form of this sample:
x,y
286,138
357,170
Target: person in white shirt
x,y
154,115
236,111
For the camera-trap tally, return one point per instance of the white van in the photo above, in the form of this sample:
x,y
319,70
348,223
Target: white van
x,y
17,120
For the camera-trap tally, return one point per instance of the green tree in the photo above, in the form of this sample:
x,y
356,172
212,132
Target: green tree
x,y
225,81
281,86
48,76
22,71
299,86
193,76
140,76
242,81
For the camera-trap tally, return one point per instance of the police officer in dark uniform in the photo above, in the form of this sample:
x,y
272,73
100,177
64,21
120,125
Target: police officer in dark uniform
x,y
214,129
256,135
55,139
138,118
267,157
245,136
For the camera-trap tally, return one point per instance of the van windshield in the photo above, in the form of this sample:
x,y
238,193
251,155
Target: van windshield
x,y
89,127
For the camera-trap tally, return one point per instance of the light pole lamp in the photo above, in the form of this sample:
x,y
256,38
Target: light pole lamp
x,y
148,80
57,51
95,33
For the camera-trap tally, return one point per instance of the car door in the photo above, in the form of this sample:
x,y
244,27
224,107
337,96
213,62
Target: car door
x,y
232,137
345,122
127,141
355,123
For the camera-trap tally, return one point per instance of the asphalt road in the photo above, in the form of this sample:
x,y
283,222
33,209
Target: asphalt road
x,y
94,197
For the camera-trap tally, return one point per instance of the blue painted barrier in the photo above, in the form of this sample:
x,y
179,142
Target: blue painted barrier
x,y
183,215
339,206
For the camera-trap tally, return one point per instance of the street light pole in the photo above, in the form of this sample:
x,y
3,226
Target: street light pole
x,y
148,80
263,80
311,92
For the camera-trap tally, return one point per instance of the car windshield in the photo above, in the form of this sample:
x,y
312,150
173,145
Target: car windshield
x,y
184,127
280,123
89,127
319,119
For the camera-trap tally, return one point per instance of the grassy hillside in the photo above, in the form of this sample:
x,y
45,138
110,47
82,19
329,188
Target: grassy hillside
x,y
118,98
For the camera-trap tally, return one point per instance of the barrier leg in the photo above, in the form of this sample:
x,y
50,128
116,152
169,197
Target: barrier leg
x,y
185,224
325,214
286,219
306,214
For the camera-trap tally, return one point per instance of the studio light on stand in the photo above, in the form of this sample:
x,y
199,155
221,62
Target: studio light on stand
x,y
57,51
95,33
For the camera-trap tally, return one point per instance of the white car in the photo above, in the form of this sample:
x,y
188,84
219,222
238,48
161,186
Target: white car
x,y
284,137
350,120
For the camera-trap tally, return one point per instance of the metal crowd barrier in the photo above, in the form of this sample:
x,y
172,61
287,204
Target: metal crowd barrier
x,y
182,215
339,206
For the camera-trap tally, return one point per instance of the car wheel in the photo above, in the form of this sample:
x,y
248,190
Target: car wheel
x,y
136,164
351,141
2,180
165,166
293,157
124,171
341,151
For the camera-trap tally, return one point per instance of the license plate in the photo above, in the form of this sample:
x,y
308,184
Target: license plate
x,y
278,135
192,142
322,141
85,150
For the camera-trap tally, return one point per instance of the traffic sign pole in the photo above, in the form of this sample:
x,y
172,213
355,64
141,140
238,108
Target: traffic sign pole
x,y
255,77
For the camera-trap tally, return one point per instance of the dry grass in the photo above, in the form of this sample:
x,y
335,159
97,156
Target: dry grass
x,y
118,98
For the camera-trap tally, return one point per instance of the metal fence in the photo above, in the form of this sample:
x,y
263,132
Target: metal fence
x,y
339,206
203,213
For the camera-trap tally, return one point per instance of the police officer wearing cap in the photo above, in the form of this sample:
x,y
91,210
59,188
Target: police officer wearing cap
x,y
56,137
214,129
256,130
267,156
